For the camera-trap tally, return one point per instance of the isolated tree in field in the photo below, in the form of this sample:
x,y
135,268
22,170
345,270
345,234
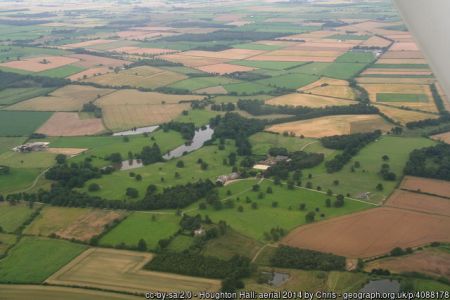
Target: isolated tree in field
x,y
204,166
254,205
380,187
274,204
302,206
132,192
180,164
142,245
328,202
1,229
240,208
385,158
339,201
309,185
310,217
93,187
329,192
115,158
177,175
336,182
261,195
269,190
255,188
60,159
138,177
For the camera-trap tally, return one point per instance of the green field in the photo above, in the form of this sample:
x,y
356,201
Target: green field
x,y
140,225
38,160
287,215
256,46
13,216
392,97
271,65
21,123
198,116
334,70
113,186
8,32
33,260
197,83
349,37
13,95
6,241
61,72
248,88
18,180
234,99
289,81
180,243
7,143
356,57
8,53
400,66
263,141
365,178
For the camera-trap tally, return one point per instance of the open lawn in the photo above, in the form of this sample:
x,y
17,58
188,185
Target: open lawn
x,y
119,270
286,215
21,123
13,95
13,216
33,260
366,177
151,227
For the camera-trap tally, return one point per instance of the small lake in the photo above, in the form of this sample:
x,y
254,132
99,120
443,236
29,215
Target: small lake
x,y
200,138
277,278
131,164
136,131
382,286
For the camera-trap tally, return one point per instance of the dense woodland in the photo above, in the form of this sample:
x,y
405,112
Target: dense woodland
x,y
431,162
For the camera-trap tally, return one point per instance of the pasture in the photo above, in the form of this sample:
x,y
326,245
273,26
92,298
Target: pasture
x,y
336,70
32,259
286,214
366,177
118,270
391,97
382,229
356,57
20,123
70,124
263,141
248,88
13,95
151,227
68,98
332,125
61,72
18,179
13,216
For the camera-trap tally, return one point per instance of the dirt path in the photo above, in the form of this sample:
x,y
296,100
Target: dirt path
x,y
261,250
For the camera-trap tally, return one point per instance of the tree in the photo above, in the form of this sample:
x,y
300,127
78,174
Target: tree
x,y
254,205
269,190
255,188
132,192
142,245
310,216
202,206
328,202
115,158
397,251
60,159
302,206
93,187
1,229
336,182
138,177
339,201
385,158
240,208
380,187
180,164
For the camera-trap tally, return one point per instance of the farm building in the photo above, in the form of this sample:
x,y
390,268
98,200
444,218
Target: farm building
x,y
270,161
31,147
225,178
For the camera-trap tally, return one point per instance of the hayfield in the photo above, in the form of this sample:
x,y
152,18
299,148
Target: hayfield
x,y
332,125
139,77
89,61
39,64
72,223
33,259
224,69
89,73
196,83
231,54
271,65
404,116
151,227
68,98
426,185
41,292
371,233
87,44
434,262
18,123
142,51
134,97
299,99
13,95
376,41
192,61
13,216
119,270
289,81
70,124
419,202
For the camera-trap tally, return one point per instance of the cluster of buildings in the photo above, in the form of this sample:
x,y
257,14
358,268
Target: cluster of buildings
x,y
270,161
31,147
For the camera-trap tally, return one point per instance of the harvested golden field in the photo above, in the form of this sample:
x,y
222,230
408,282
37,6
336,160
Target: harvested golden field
x,y
400,61
292,51
294,58
300,99
443,137
88,61
403,54
231,54
68,98
404,116
324,81
87,44
144,76
332,125
401,72
193,61
80,224
90,73
375,90
119,270
330,87
222,69
426,185
371,233
39,64
42,292
434,262
376,41
70,124
387,80
133,97
419,202
212,90
122,117
404,46
142,51
70,152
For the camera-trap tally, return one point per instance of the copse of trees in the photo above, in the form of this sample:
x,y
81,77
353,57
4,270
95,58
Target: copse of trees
x,y
350,144
298,160
294,258
431,162
74,175
92,108
187,130
150,154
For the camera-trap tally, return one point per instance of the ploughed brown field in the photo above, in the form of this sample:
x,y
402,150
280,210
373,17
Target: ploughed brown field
x,y
70,124
434,262
371,233
419,202
38,64
426,185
